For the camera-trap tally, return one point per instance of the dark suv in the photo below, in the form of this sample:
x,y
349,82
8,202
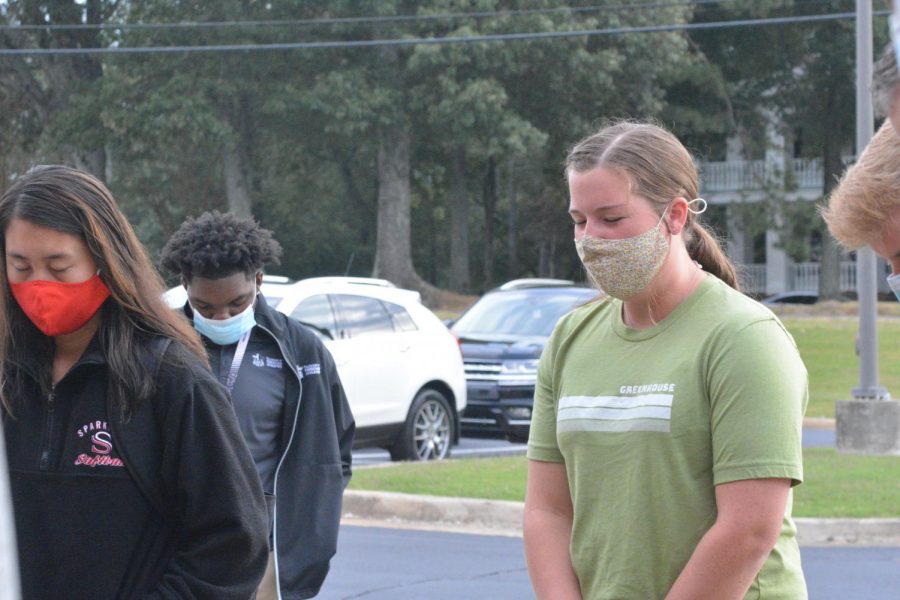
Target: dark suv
x,y
502,337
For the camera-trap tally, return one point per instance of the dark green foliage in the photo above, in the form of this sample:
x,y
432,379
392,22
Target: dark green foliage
x,y
304,125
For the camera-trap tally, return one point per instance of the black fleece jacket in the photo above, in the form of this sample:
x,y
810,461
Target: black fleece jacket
x,y
166,504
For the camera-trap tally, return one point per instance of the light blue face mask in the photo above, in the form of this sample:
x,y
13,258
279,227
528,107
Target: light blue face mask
x,y
894,283
228,331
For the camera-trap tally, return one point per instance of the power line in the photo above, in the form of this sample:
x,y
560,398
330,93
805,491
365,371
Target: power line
x,y
366,19
505,37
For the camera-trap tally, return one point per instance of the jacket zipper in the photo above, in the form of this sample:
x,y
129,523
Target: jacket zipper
x,y
280,460
48,431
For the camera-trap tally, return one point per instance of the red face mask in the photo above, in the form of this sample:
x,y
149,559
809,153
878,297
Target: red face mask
x,y
59,308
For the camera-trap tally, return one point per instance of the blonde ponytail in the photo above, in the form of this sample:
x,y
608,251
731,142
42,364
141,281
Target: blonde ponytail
x,y
703,247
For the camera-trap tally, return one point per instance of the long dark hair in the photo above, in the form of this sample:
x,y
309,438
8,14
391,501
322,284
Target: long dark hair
x,y
660,169
75,202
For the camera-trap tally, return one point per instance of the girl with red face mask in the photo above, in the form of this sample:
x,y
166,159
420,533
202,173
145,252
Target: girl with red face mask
x,y
128,474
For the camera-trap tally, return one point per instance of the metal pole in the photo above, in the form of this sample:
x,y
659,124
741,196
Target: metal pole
x,y
866,284
9,566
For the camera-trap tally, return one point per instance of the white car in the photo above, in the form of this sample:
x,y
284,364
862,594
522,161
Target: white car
x,y
401,368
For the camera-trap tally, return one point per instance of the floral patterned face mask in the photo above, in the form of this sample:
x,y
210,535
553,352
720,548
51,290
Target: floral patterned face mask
x,y
622,268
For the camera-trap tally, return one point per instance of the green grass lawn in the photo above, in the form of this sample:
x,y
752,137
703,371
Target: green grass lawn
x,y
836,485
827,347
844,485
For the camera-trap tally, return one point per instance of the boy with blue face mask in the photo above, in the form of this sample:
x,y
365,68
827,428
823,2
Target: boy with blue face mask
x,y
294,421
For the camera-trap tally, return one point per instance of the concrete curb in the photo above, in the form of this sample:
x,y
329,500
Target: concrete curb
x,y
494,517
465,515
858,532
819,422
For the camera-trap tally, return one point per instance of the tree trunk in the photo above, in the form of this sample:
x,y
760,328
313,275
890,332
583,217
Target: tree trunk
x,y
72,71
393,252
393,248
830,266
459,224
432,246
512,239
544,258
547,256
236,189
489,197
237,160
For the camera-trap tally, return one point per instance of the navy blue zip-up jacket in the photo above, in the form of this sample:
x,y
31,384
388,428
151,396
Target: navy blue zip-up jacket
x,y
163,505
314,465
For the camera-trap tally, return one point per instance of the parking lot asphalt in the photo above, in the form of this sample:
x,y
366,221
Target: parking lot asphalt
x,y
377,563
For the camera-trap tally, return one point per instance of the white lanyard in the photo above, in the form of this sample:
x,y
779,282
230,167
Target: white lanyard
x,y
236,361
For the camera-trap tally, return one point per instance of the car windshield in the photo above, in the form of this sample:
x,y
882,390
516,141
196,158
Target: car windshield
x,y
520,313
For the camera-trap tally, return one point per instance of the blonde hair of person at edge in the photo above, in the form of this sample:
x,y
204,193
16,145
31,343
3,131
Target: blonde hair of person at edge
x,y
666,434
864,209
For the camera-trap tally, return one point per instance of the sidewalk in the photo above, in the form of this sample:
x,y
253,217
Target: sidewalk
x,y
493,517
489,517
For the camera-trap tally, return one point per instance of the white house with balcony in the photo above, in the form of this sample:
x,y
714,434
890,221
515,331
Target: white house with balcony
x,y
742,181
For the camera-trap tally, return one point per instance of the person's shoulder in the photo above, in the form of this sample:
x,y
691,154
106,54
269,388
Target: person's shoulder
x,y
731,312
181,378
729,304
176,365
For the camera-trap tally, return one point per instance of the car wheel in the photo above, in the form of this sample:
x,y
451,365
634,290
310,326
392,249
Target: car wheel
x,y
428,431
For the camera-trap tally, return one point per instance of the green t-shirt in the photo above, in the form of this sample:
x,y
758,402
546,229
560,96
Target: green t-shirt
x,y
648,422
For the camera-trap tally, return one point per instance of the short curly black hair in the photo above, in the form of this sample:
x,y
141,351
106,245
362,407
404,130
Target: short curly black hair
x,y
216,245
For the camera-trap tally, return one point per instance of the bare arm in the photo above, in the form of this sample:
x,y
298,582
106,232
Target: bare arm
x,y
548,531
730,555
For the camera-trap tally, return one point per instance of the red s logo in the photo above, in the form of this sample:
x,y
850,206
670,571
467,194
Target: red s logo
x,y
102,442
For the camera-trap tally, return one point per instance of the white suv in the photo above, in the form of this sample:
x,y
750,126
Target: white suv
x,y
401,368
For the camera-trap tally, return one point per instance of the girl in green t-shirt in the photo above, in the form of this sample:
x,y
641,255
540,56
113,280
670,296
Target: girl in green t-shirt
x,y
667,420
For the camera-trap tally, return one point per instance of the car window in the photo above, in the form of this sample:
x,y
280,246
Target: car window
x,y
316,311
361,315
525,313
274,295
401,318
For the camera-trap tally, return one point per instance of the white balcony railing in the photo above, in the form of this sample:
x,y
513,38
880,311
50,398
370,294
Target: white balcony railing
x,y
801,277
752,278
746,175
805,276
